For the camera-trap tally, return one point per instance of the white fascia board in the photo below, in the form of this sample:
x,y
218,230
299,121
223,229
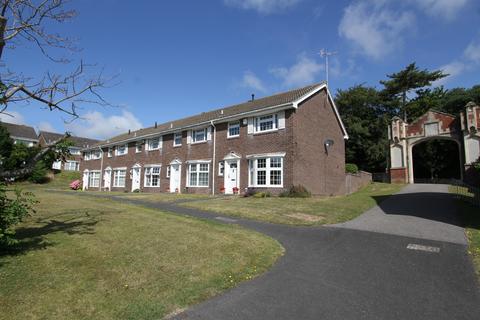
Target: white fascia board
x,y
337,114
266,155
152,165
198,161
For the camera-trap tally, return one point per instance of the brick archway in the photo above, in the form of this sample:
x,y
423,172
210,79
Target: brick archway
x,y
464,130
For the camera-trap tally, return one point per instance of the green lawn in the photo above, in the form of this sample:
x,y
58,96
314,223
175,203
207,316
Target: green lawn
x,y
470,217
90,258
300,211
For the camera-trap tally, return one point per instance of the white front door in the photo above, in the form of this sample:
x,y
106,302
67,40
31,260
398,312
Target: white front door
x,y
107,179
175,175
135,178
231,176
85,180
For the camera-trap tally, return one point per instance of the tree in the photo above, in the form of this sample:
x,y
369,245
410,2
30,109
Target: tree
x,y
402,82
366,117
24,22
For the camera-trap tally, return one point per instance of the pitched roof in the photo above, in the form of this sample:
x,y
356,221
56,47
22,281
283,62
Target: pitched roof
x,y
20,131
80,142
204,117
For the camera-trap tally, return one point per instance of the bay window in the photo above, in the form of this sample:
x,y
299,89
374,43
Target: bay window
x,y
152,176
94,179
265,172
198,174
119,177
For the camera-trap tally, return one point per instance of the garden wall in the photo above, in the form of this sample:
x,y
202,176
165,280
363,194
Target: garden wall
x,y
355,181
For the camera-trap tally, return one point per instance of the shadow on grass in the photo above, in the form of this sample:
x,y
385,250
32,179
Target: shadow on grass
x,y
436,206
35,236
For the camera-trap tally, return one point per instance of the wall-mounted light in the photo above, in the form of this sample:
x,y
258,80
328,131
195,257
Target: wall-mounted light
x,y
328,143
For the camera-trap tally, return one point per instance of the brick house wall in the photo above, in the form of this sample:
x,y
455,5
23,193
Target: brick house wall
x,y
302,140
313,123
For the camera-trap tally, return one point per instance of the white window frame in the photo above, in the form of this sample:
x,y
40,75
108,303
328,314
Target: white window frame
x,y
149,143
109,152
68,165
74,151
116,177
262,119
198,165
232,125
167,174
253,172
221,168
148,171
92,179
194,135
175,144
138,147
117,149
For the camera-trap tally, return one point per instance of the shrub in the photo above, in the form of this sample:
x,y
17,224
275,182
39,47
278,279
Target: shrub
x,y
296,192
351,168
75,185
39,173
262,195
13,209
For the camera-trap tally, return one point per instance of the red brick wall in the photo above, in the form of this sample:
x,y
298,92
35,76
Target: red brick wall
x,y
314,122
446,123
302,140
398,175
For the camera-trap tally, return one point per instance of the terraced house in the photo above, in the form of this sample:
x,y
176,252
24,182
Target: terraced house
x,y
268,144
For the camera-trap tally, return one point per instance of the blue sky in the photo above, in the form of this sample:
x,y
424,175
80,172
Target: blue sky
x,y
177,58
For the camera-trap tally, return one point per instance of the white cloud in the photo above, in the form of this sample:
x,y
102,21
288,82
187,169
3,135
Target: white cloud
x,y
46,126
472,52
304,71
262,6
12,117
376,30
447,9
250,80
96,125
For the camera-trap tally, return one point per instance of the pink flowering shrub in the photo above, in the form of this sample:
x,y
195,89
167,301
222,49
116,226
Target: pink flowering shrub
x,y
75,185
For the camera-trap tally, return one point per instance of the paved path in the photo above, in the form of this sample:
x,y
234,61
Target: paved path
x,y
341,273
425,211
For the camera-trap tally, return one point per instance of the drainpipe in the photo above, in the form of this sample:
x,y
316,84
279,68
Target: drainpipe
x,y
101,169
213,157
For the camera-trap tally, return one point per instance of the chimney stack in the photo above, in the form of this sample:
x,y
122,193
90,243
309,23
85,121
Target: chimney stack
x,y
156,125
253,96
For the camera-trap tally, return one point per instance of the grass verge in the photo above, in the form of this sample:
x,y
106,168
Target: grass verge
x,y
300,211
90,258
470,217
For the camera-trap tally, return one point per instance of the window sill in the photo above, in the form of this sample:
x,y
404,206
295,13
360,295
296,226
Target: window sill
x,y
199,142
270,187
177,145
198,186
265,132
233,137
151,187
154,149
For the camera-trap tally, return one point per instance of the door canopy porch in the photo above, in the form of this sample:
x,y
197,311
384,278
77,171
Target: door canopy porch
x,y
464,130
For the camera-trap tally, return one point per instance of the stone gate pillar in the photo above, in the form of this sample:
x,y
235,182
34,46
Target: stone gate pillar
x,y
398,151
470,120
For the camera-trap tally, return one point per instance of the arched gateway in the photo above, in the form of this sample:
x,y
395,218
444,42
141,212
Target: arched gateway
x,y
464,130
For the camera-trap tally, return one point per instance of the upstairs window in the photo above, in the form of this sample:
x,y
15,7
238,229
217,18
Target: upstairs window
x,y
154,143
199,135
266,123
233,129
121,150
177,139
109,152
138,147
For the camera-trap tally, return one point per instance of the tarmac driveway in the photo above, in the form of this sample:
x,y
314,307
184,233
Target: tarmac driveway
x,y
425,211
